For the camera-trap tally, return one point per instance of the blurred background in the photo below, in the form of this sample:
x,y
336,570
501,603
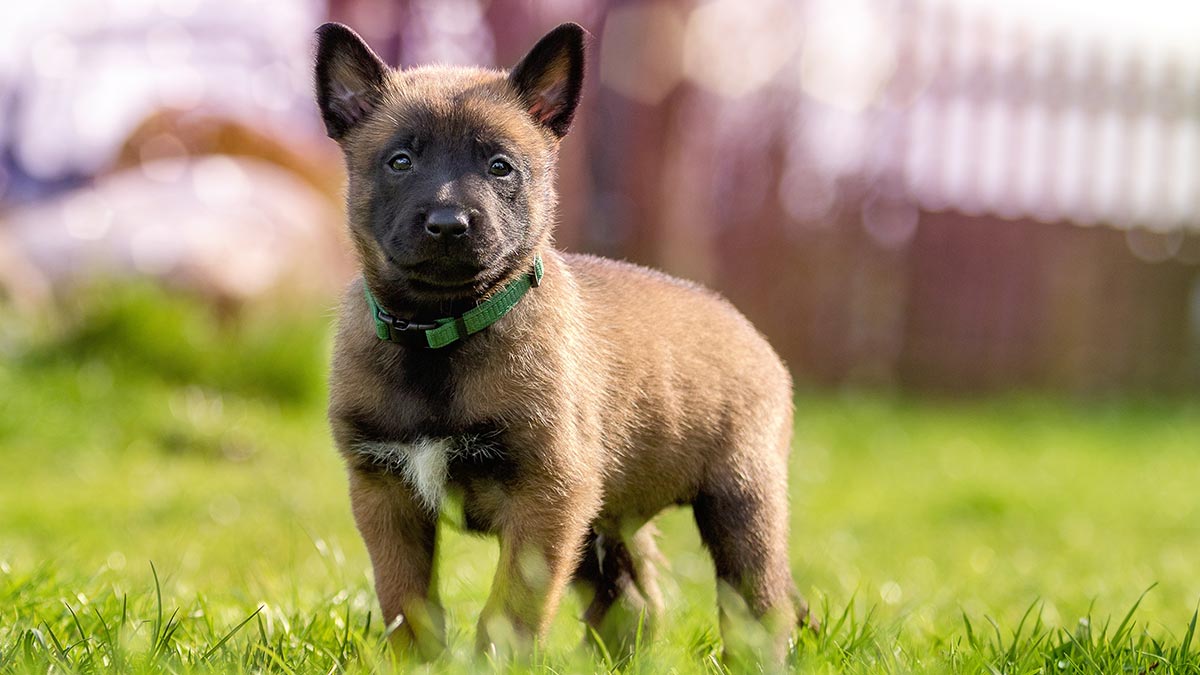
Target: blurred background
x,y
923,194
972,228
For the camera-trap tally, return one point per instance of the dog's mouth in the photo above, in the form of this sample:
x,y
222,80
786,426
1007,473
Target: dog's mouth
x,y
444,286
442,278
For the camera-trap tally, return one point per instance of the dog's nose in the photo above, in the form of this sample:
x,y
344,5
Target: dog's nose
x,y
449,221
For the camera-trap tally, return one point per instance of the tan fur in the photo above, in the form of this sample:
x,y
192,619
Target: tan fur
x,y
616,392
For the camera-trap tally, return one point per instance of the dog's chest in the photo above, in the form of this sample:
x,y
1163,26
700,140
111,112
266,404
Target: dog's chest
x,y
423,464
431,464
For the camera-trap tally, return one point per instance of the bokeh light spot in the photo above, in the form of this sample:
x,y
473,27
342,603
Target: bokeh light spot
x,y
848,54
86,215
891,593
640,51
732,52
219,181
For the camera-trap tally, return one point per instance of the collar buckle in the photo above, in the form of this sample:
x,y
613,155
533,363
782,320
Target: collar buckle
x,y
396,323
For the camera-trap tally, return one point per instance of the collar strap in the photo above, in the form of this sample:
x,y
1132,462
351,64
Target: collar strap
x,y
451,329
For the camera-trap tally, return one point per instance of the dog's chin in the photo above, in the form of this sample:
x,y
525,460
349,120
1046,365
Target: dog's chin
x,y
444,289
442,282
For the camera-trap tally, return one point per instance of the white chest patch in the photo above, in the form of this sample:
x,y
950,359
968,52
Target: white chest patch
x,y
423,463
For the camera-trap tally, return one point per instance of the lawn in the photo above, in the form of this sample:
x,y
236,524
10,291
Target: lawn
x,y
169,500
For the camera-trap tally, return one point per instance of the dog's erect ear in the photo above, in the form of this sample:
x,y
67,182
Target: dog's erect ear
x,y
550,77
349,78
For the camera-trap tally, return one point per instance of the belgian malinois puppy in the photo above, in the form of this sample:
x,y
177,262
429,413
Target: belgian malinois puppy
x,y
562,399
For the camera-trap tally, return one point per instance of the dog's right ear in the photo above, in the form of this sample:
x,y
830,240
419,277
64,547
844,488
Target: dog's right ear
x,y
349,78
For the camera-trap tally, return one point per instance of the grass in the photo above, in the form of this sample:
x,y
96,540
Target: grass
x,y
169,501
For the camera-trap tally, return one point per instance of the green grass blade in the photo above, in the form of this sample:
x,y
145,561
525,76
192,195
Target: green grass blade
x,y
233,631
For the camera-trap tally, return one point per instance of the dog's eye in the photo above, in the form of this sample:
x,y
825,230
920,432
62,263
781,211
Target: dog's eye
x,y
401,162
499,168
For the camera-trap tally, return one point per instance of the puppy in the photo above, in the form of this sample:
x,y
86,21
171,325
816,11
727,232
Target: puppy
x,y
562,399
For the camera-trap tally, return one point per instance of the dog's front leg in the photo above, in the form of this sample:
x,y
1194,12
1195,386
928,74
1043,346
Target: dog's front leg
x,y
400,537
541,533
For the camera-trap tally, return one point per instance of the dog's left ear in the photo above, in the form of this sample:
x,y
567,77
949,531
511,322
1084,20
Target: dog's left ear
x,y
550,77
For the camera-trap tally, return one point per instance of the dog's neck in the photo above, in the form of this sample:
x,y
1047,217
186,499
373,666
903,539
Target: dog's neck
x,y
493,301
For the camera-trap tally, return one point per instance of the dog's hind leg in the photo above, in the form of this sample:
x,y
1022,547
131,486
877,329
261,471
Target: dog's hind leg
x,y
618,580
745,530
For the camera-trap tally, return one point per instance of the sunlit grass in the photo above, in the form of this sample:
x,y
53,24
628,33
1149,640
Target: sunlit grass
x,y
169,500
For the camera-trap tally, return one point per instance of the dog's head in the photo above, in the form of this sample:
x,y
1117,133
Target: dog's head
x,y
451,170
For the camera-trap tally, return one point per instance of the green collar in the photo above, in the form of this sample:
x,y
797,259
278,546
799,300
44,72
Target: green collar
x,y
453,328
